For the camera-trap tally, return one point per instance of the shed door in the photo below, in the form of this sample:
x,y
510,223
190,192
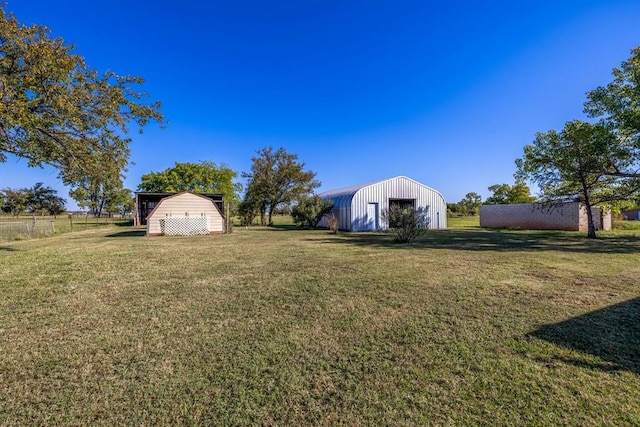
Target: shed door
x,y
372,217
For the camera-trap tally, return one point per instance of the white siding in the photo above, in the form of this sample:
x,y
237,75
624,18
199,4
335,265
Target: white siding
x,y
351,204
185,204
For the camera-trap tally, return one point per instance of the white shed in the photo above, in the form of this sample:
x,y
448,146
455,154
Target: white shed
x,y
359,207
185,214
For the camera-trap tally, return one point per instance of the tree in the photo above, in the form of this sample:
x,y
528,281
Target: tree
x,y
598,164
406,223
247,210
453,209
580,163
470,205
54,109
276,178
504,194
44,200
120,201
36,200
309,211
99,195
618,106
202,177
15,200
124,202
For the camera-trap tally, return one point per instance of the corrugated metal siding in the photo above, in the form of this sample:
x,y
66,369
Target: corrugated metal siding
x,y
185,204
351,203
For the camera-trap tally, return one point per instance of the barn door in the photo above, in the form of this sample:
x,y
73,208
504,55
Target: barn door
x,y
372,217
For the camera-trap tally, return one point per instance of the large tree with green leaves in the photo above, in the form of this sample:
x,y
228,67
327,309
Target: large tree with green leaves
x,y
56,110
38,199
15,200
470,204
202,177
276,178
617,105
505,194
44,200
594,163
122,202
580,163
102,195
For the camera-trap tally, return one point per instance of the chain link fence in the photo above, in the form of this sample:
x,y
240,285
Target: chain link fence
x,y
14,230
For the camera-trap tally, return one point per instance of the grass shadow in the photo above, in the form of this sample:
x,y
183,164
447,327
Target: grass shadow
x,y
290,227
612,334
496,240
130,233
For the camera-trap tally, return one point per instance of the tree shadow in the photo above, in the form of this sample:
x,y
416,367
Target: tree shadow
x,y
290,227
611,333
495,240
129,233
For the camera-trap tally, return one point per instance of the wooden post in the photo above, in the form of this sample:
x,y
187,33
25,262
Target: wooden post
x,y
227,218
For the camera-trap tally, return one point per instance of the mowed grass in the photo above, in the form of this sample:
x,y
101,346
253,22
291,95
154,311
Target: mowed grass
x,y
277,326
463,221
61,224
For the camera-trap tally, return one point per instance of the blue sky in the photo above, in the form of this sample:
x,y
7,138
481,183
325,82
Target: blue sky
x,y
445,94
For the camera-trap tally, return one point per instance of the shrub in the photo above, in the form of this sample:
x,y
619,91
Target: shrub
x,y
407,223
333,223
310,210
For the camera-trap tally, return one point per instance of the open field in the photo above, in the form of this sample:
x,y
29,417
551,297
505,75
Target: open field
x,y
278,326
13,228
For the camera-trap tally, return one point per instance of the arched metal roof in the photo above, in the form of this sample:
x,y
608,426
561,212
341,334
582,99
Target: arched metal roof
x,y
350,203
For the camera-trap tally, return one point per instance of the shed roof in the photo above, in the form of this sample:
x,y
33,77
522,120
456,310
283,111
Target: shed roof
x,y
182,193
352,190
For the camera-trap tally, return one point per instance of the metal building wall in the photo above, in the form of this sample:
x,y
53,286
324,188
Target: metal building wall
x,y
397,188
351,204
341,208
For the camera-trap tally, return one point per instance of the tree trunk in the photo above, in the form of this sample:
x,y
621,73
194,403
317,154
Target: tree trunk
x,y
591,228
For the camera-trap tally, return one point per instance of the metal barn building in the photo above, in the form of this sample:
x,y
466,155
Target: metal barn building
x,y
359,208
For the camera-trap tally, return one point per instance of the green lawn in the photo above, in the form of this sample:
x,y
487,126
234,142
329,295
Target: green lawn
x,y
61,224
277,326
463,221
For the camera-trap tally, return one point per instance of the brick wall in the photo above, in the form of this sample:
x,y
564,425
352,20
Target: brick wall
x,y
532,216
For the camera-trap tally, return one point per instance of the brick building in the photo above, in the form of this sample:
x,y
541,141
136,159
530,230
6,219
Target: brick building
x,y
536,216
